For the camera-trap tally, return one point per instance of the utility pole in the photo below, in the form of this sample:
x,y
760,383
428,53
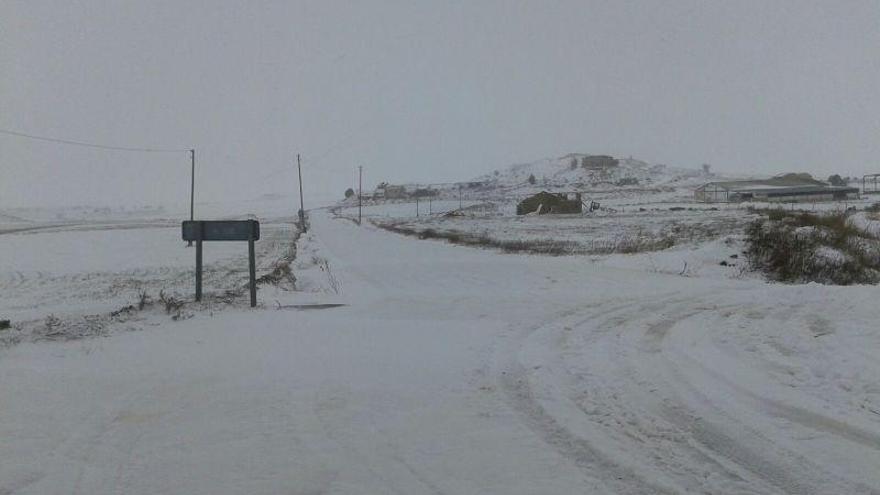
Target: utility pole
x,y
302,208
192,191
459,196
360,191
417,207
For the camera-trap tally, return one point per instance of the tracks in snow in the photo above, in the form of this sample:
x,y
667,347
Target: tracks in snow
x,y
628,392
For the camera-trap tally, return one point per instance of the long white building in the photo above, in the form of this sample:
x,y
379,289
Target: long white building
x,y
777,189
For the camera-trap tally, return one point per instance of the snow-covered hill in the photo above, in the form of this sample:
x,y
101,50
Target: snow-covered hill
x,y
568,172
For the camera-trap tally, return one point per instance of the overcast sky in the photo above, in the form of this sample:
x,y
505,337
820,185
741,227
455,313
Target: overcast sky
x,y
423,91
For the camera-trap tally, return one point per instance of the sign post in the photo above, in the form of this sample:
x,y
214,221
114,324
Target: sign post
x,y
198,269
252,268
223,230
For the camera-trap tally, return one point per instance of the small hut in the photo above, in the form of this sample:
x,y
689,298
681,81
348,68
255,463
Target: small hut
x,y
545,202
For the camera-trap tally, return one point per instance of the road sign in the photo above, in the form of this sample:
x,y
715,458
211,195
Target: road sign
x,y
223,230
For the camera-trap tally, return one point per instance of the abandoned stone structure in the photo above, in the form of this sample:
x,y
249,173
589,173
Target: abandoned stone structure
x,y
545,202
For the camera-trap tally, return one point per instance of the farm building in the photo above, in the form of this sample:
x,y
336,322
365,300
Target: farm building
x,y
599,162
393,192
545,202
788,188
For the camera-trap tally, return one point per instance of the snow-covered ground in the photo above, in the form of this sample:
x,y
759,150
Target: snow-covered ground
x,y
460,370
93,266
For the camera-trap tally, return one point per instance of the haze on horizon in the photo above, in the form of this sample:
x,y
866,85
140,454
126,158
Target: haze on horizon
x,y
423,91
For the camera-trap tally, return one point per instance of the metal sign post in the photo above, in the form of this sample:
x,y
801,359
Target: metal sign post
x,y
252,270
198,269
223,230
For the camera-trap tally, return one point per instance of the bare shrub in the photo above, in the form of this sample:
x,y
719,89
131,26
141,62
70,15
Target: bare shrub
x,y
171,303
281,276
804,247
553,247
52,322
144,300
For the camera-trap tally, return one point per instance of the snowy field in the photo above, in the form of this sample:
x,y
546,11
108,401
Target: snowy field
x,y
66,280
448,369
627,221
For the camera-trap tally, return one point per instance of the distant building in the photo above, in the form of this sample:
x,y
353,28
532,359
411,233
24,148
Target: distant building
x,y
545,202
789,188
599,162
394,192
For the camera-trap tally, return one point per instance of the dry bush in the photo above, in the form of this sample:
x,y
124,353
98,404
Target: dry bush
x,y
171,303
553,247
144,300
280,276
805,247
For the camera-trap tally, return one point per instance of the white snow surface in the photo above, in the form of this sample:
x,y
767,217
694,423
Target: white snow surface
x,y
460,370
88,268
866,222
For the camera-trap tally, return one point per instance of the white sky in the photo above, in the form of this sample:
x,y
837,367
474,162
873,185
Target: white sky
x,y
423,91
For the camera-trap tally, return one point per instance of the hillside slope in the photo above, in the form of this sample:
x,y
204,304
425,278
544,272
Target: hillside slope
x,y
567,172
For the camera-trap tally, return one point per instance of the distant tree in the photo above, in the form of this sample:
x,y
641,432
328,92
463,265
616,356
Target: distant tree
x,y
707,169
349,193
574,163
836,180
532,179
584,162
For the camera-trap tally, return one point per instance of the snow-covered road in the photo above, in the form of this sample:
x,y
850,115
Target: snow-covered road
x,y
456,370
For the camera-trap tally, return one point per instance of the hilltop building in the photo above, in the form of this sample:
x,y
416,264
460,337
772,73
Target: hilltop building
x,y
599,162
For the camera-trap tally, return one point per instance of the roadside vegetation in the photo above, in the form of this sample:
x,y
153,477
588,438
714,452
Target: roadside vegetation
x,y
800,247
622,245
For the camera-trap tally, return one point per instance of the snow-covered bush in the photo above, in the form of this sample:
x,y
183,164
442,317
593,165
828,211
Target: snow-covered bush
x,y
803,247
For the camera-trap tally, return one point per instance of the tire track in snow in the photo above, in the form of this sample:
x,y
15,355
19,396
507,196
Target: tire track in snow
x,y
748,461
514,380
718,431
658,444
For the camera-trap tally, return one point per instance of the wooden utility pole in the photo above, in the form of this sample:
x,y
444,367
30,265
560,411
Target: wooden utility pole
x,y
302,208
192,190
459,196
360,191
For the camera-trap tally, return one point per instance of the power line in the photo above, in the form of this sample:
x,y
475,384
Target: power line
x,y
92,145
